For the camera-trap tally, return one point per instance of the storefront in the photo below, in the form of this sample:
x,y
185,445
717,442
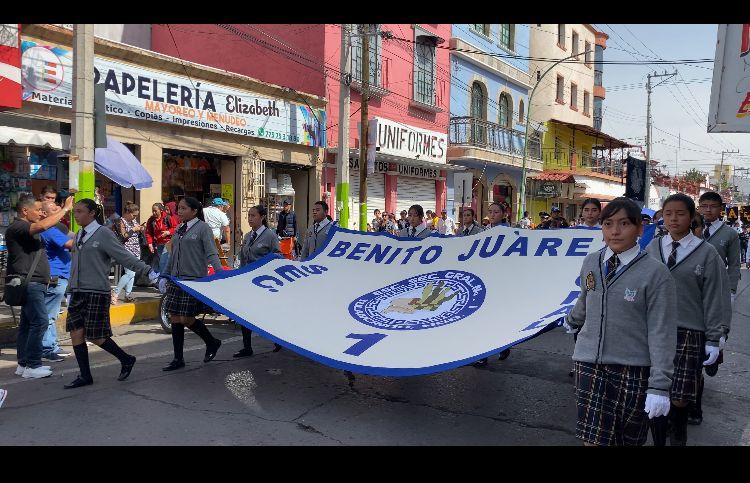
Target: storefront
x,y
198,131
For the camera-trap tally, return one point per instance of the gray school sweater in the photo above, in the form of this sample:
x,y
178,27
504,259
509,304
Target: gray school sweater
x,y
629,321
193,253
702,285
89,267
726,241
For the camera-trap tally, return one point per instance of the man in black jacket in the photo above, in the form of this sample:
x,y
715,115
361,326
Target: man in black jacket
x,y
287,225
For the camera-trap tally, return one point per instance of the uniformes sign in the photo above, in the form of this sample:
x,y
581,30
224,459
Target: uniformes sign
x,y
377,304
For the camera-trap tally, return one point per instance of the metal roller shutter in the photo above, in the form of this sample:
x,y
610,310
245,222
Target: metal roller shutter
x,y
375,196
415,191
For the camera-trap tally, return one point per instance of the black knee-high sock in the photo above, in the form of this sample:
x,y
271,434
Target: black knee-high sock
x,y
111,346
178,340
200,328
247,341
659,426
82,356
698,409
679,423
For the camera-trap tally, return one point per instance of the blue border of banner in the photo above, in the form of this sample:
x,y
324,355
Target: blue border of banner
x,y
336,364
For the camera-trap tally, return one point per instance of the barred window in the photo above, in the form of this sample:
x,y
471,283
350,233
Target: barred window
x,y
482,28
375,57
478,101
521,112
506,36
504,111
424,70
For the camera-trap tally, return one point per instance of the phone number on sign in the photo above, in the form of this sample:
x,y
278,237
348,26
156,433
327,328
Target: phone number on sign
x,y
277,135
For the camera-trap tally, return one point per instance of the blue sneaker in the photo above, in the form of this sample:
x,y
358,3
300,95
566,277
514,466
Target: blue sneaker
x,y
53,358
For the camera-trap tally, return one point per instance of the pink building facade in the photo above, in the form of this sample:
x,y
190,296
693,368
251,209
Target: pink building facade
x,y
410,96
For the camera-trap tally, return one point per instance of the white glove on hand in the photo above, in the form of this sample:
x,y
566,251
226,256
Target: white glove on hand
x,y
163,285
656,405
713,354
153,276
722,342
568,328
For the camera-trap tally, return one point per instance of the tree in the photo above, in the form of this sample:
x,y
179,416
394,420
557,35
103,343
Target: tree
x,y
694,176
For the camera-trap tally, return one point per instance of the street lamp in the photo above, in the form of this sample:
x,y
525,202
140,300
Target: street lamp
x,y
522,204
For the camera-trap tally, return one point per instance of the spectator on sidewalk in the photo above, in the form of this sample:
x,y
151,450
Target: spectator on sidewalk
x,y
159,230
287,224
127,230
525,222
217,220
26,251
446,224
50,193
57,245
403,222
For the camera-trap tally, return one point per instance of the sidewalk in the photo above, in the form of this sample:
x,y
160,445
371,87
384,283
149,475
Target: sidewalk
x,y
145,307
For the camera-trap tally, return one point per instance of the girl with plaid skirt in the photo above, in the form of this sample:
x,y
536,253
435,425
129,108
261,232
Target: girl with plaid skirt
x,y
626,335
88,311
193,249
702,284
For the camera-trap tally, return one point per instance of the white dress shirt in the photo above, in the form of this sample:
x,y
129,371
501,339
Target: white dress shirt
x,y
713,227
90,229
687,245
321,225
189,224
625,257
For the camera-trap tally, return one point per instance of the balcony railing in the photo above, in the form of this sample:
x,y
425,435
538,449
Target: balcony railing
x,y
470,131
584,161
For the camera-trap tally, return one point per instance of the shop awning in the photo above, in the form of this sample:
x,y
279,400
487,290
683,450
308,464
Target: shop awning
x,y
30,137
117,163
600,140
600,197
561,177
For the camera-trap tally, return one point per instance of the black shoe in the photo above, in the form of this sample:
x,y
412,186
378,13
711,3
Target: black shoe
x,y
277,348
504,355
243,353
212,350
695,417
126,369
79,382
174,365
571,374
480,363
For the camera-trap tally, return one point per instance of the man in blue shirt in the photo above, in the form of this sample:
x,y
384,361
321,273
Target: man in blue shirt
x,y
57,244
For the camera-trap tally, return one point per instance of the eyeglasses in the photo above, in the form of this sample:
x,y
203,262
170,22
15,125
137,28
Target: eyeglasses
x,y
709,207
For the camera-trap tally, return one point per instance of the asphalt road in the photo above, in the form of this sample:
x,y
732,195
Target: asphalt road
x,y
284,398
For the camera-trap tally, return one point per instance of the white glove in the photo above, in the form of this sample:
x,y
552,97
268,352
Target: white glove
x,y
163,285
656,405
722,342
713,354
153,276
568,328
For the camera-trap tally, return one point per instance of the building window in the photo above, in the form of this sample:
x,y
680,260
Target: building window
x,y
586,102
478,101
505,110
558,148
424,69
521,112
560,89
587,54
375,57
574,43
573,96
482,28
506,36
561,35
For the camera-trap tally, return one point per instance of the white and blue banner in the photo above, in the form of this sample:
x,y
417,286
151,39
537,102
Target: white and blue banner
x,y
376,304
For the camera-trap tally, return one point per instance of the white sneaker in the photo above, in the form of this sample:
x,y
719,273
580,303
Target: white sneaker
x,y
37,372
19,370
3,394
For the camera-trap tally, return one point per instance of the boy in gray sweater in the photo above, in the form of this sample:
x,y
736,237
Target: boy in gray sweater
x,y
623,358
702,283
88,312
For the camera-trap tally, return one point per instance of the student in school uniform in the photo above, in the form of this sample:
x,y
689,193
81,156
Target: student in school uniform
x,y
591,210
318,233
726,241
257,244
193,249
416,228
497,216
469,225
626,335
88,313
701,279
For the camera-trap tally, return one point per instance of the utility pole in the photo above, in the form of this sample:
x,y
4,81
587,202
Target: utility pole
x,y
81,166
342,160
365,32
649,134
721,169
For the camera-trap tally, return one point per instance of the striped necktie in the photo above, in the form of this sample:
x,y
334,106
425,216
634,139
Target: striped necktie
x,y
707,232
612,265
316,228
672,261
80,240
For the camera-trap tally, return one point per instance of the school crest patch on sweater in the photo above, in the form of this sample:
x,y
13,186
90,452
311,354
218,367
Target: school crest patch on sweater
x,y
699,270
630,295
590,282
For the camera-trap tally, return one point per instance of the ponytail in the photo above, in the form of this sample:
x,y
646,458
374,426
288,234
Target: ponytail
x,y
196,205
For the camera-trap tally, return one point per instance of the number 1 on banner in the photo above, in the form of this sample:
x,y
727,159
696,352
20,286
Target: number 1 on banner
x,y
366,341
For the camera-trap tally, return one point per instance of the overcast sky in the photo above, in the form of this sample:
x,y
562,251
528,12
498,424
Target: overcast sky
x,y
678,108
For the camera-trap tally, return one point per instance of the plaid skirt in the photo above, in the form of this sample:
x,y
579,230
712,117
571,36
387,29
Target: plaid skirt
x,y
688,364
90,311
179,302
610,400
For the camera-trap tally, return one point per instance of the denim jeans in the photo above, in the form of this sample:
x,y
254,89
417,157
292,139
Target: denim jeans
x,y
163,259
126,281
52,300
34,322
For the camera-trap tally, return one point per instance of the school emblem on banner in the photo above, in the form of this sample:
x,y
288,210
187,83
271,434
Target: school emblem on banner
x,y
421,302
590,282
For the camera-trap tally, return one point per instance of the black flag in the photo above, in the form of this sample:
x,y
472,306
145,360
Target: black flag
x,y
636,179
